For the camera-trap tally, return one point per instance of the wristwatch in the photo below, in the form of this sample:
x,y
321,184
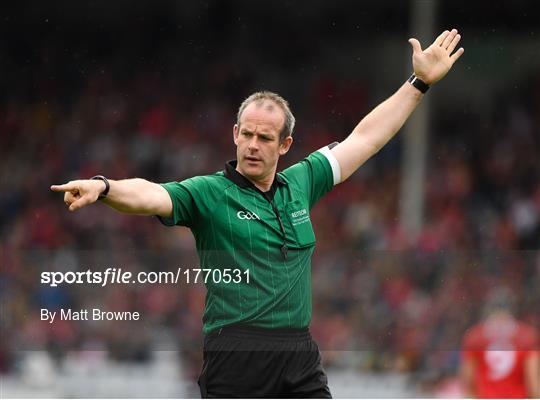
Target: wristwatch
x,y
418,83
103,194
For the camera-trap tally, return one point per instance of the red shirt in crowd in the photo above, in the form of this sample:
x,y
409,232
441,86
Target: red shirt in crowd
x,y
498,349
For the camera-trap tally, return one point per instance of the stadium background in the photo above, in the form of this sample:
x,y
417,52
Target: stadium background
x,y
151,89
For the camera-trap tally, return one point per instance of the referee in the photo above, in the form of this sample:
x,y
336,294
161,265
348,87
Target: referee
x,y
256,222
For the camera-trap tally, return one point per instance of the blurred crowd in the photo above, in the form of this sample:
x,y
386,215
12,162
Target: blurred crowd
x,y
401,302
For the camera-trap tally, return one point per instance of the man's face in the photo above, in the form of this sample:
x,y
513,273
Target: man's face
x,y
257,140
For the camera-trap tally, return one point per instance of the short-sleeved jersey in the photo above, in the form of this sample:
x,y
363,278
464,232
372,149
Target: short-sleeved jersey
x,y
267,237
499,351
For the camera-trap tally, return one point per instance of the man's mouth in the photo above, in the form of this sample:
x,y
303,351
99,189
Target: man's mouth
x,y
252,159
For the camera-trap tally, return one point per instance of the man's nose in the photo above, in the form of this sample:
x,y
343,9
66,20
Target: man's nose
x,y
253,143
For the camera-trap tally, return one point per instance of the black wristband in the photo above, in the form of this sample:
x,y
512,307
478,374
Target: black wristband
x,y
418,83
103,194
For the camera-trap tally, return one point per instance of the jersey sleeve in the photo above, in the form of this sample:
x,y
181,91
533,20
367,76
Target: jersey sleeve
x,y
316,175
183,202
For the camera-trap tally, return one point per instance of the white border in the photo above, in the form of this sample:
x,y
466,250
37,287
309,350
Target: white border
x,y
334,164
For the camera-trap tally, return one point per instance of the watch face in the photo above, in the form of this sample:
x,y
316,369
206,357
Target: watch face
x,y
107,186
418,83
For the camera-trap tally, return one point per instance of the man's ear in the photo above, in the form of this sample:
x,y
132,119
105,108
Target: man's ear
x,y
235,133
285,145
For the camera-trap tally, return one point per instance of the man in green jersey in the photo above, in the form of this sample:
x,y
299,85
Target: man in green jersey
x,y
252,225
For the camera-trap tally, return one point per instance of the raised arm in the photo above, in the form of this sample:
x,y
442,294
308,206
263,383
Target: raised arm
x,y
132,196
382,123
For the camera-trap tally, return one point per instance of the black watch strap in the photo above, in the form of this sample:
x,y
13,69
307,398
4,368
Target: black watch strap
x,y
418,83
103,194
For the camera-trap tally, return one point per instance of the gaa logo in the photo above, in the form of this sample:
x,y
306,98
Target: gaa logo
x,y
247,215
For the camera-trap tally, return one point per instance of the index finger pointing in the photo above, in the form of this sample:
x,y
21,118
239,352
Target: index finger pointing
x,y
63,188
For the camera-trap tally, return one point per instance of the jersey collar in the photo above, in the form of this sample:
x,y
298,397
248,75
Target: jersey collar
x,y
240,180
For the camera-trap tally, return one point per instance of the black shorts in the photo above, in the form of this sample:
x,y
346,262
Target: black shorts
x,y
243,361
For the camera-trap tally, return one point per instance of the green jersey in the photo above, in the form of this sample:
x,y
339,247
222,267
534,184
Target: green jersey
x,y
261,243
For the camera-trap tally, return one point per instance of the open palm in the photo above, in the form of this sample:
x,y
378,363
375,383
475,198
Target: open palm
x,y
433,63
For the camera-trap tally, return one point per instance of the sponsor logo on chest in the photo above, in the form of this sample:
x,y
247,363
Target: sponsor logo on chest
x,y
300,217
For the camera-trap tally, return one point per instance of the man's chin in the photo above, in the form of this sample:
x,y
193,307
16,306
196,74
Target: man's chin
x,y
252,171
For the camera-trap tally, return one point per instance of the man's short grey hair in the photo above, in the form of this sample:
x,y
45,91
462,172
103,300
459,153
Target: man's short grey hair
x,y
259,98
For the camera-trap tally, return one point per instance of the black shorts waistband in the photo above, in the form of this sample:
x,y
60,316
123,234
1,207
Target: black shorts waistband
x,y
255,332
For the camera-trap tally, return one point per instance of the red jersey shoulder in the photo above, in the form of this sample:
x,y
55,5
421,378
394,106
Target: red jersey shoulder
x,y
526,337
474,339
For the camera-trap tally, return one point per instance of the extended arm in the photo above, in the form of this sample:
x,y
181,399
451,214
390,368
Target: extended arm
x,y
382,123
466,376
532,374
132,196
